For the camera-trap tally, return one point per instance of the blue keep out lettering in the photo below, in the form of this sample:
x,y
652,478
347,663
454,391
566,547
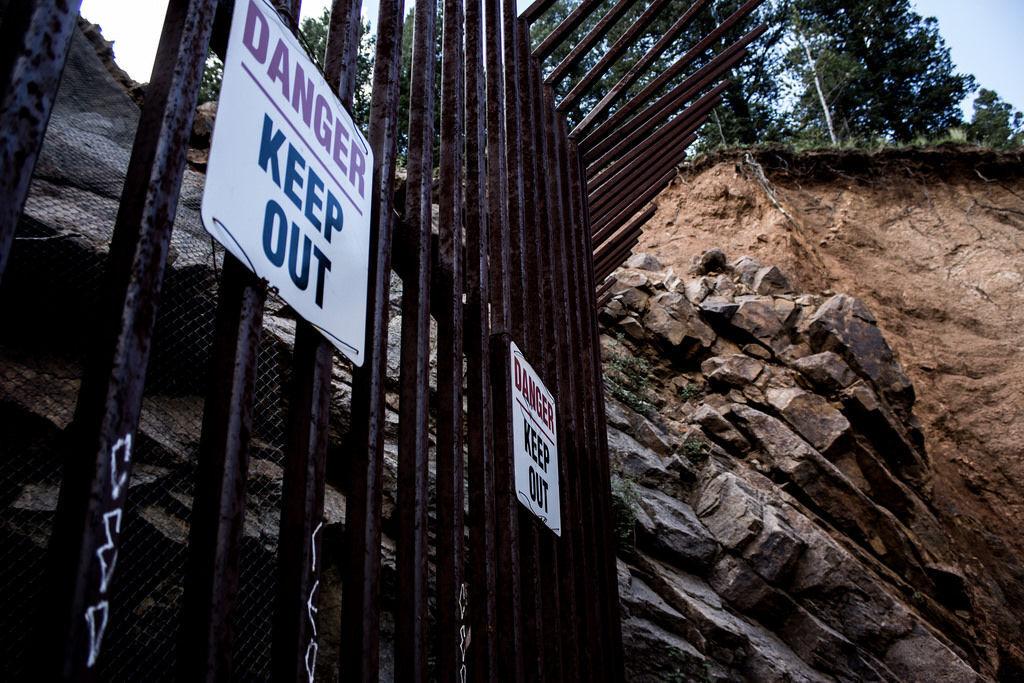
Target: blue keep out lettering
x,y
284,240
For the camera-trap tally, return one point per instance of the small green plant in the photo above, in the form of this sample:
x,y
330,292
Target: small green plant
x,y
625,503
695,449
627,379
689,391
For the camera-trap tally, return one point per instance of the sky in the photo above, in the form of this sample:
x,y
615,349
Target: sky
x,y
985,36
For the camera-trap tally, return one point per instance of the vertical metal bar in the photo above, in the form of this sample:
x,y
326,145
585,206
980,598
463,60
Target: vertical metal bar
x,y
544,584
449,454
84,546
523,322
295,646
592,582
514,170
413,453
591,662
34,39
360,617
612,619
211,579
510,649
557,357
218,512
482,595
497,192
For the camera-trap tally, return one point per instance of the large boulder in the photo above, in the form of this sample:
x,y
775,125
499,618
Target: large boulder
x,y
811,416
845,325
677,326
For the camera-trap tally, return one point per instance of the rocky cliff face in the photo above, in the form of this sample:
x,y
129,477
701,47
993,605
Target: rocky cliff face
x,y
774,498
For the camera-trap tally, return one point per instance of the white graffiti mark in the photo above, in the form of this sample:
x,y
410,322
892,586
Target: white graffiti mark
x,y
311,608
312,648
313,541
120,456
464,631
112,527
311,651
96,618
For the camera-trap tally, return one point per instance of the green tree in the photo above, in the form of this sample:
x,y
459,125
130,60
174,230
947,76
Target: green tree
x,y
995,124
886,70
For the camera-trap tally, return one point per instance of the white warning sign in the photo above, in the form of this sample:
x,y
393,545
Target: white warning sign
x,y
535,443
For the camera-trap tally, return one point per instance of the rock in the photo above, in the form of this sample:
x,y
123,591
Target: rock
x,y
672,532
634,299
718,309
698,290
612,311
639,463
673,320
770,280
886,432
711,261
653,437
776,550
922,657
627,279
757,351
720,429
746,268
644,262
845,325
756,317
632,327
730,511
811,416
826,370
739,585
736,370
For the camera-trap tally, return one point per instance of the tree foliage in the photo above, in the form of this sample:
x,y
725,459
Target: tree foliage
x,y
995,124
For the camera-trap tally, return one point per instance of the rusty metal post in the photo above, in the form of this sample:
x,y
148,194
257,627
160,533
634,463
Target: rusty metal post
x,y
556,345
360,616
34,39
587,42
449,315
84,546
612,623
413,447
619,90
509,615
482,607
300,544
612,54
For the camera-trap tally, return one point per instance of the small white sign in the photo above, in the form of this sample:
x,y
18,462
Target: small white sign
x,y
289,178
535,443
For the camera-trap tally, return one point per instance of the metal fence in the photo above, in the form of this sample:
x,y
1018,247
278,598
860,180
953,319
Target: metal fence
x,y
531,216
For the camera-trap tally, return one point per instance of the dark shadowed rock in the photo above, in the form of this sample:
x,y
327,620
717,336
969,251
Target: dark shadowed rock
x,y
711,261
671,531
845,325
673,320
770,280
826,370
775,551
